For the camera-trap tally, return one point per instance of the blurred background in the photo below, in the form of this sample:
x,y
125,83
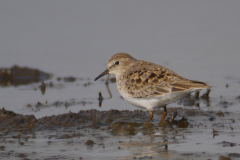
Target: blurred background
x,y
197,39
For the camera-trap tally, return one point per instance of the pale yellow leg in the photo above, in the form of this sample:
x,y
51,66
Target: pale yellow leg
x,y
164,114
151,116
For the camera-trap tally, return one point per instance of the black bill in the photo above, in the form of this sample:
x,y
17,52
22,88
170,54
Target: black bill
x,y
102,74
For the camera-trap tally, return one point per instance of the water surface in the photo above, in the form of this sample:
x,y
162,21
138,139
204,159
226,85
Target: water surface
x,y
198,40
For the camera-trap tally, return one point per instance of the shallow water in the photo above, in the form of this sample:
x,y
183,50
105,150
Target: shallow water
x,y
198,40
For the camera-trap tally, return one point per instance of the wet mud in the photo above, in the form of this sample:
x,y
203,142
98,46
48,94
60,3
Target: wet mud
x,y
114,119
123,132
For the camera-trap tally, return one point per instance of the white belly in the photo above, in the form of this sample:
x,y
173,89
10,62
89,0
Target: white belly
x,y
154,102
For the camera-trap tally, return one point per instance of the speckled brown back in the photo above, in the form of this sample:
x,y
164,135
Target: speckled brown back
x,y
145,79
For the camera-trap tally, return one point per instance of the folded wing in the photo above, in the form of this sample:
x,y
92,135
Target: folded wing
x,y
156,81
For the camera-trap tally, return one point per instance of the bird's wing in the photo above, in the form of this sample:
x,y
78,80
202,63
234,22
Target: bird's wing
x,y
146,79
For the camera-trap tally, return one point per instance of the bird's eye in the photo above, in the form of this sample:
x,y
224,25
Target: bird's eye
x,y
116,62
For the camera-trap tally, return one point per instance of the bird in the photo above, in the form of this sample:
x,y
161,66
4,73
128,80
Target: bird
x,y
148,85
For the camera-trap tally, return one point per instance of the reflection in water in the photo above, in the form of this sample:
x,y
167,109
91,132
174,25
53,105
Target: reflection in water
x,y
205,96
165,133
193,100
196,96
215,133
38,106
100,98
43,88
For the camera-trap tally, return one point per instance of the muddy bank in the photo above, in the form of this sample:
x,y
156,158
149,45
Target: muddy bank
x,y
118,134
16,76
84,118
113,119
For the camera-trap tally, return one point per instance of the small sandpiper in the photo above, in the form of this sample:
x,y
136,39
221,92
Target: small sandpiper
x,y
148,85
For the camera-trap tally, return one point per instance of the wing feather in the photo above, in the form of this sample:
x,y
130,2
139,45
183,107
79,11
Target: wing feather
x,y
154,80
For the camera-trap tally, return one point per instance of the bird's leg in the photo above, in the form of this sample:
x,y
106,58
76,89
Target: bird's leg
x,y
164,114
151,116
